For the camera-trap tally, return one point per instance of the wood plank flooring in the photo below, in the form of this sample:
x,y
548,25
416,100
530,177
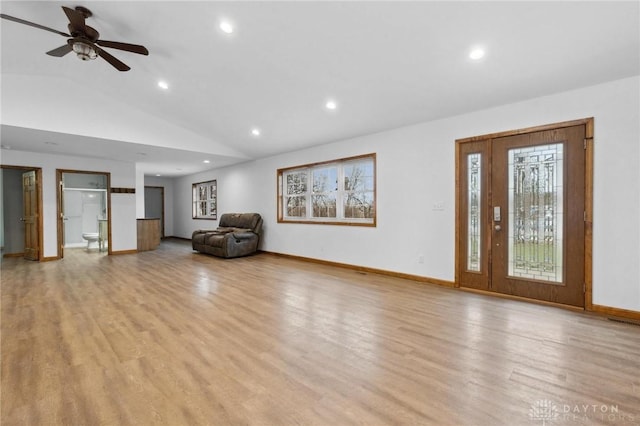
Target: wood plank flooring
x,y
171,337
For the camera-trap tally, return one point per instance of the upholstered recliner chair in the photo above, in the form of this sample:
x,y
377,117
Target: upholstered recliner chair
x,y
238,234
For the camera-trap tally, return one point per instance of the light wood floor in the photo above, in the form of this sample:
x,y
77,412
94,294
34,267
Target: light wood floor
x,y
177,338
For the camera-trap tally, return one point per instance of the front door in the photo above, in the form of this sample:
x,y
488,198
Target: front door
x,y
522,214
30,210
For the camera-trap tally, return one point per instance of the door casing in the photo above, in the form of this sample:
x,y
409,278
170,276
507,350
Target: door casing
x,y
462,144
60,213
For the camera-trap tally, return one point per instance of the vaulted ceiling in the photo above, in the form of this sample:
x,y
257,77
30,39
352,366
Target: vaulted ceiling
x,y
385,64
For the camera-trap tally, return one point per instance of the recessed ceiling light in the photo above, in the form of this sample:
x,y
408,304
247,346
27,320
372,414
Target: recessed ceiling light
x,y
158,174
226,27
476,53
331,105
255,132
206,161
163,85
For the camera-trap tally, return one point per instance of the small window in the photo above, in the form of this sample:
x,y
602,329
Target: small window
x,y
296,194
334,192
205,200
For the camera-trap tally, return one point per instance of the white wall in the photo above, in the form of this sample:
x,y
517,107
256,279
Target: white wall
x,y
139,193
416,168
167,184
240,189
123,206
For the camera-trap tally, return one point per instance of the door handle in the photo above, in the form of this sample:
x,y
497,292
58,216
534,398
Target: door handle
x,y
497,227
22,219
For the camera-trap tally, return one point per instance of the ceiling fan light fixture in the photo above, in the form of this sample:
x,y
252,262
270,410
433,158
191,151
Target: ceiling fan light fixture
x,y
84,51
83,39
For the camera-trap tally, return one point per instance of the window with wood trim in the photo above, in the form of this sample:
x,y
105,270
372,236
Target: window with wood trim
x,y
205,200
337,192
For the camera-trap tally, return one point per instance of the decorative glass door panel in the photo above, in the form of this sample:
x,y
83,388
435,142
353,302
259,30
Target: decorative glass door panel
x,y
472,239
474,194
536,195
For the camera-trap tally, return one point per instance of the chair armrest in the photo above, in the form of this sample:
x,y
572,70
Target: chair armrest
x,y
243,235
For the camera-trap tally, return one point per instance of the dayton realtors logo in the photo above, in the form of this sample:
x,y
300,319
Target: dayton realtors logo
x,y
543,410
547,411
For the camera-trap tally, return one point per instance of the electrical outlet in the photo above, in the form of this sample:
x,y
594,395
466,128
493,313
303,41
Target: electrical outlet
x,y
438,206
421,258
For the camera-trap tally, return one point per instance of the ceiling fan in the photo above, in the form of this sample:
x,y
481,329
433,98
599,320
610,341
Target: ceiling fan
x,y
84,40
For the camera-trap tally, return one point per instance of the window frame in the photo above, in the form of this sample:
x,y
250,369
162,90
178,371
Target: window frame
x,y
340,192
210,198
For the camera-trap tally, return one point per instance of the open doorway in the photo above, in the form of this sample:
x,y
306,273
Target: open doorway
x,y
84,211
154,205
21,212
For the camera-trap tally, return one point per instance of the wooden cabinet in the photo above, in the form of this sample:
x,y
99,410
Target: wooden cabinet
x,y
148,234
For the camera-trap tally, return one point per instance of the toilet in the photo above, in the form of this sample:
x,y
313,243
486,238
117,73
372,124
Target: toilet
x,y
90,237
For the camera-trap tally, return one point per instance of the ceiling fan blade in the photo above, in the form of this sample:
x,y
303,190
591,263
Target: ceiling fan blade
x,y
31,24
61,51
75,18
135,48
119,65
